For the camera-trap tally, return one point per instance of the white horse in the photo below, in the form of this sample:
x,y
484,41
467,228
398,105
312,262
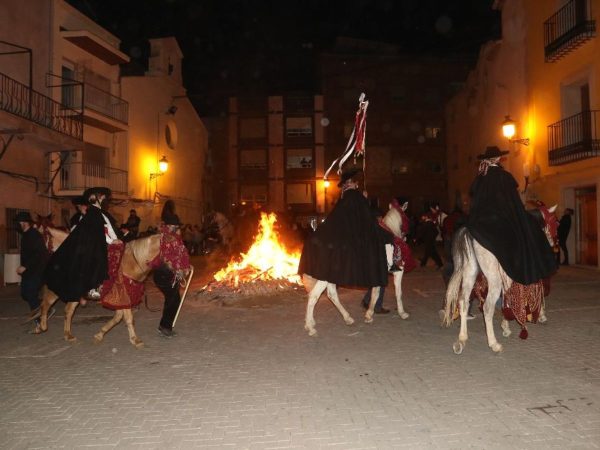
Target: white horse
x,y
470,258
315,288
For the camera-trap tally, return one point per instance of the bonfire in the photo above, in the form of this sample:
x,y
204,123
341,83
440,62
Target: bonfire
x,y
268,266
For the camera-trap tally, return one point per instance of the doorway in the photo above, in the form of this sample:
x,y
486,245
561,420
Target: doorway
x,y
587,225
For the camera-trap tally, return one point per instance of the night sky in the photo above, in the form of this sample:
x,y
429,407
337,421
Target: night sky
x,y
250,47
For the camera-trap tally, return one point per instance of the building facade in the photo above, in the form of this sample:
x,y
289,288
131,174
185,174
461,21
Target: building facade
x,y
163,123
275,153
66,115
405,145
545,76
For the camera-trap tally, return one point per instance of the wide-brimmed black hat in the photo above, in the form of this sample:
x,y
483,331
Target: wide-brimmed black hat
x,y
492,152
80,200
172,219
23,216
348,174
99,190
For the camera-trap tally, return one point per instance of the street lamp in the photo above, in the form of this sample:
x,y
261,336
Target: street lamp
x,y
509,129
163,166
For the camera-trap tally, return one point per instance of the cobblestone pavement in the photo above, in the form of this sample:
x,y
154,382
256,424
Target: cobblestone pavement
x,y
245,374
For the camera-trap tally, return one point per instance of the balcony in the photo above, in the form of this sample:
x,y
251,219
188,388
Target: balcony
x,y
74,177
574,138
22,101
568,28
101,109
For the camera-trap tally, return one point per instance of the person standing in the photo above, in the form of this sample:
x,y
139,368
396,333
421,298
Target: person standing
x,y
34,256
564,227
428,233
133,224
165,277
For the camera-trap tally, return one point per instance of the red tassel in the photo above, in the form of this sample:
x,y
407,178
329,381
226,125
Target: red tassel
x,y
523,334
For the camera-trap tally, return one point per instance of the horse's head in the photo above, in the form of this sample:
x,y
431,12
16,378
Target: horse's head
x,y
44,221
547,220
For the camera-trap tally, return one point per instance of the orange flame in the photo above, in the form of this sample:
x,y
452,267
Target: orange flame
x,y
266,259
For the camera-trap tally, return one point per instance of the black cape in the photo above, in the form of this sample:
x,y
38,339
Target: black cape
x,y
349,247
81,262
499,222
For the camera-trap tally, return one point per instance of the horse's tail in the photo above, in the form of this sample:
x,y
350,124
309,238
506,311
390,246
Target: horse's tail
x,y
462,252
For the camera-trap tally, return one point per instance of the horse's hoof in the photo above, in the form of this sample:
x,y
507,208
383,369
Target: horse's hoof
x,y
404,315
458,347
506,333
543,320
497,347
368,319
137,343
349,320
312,332
70,338
98,338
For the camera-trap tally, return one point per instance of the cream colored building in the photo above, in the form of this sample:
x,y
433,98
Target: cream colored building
x,y
545,75
68,121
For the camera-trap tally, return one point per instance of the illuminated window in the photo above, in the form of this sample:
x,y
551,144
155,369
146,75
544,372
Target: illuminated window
x,y
253,193
299,158
299,193
298,126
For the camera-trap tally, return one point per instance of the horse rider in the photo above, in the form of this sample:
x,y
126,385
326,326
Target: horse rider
x,y
348,248
499,222
80,264
81,206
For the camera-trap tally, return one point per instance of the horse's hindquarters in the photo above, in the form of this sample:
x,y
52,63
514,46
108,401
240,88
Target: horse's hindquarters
x,y
309,282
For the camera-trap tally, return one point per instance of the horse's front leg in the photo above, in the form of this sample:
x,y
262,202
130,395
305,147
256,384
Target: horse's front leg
x,y
69,311
469,274
135,341
371,309
398,290
489,307
48,299
313,298
333,296
99,336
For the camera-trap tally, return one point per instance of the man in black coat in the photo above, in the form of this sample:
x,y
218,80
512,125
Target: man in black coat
x,y
349,247
499,222
34,256
80,264
564,227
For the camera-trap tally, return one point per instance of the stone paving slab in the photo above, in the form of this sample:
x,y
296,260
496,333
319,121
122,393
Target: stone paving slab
x,y
246,375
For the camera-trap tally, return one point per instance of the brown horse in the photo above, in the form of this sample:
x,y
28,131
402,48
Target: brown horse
x,y
136,263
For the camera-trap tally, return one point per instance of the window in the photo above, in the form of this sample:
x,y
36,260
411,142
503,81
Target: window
x,y
432,132
434,167
299,193
299,158
95,160
298,126
399,166
253,193
171,136
253,128
253,159
70,90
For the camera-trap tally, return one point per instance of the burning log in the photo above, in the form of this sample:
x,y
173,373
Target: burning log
x,y
267,268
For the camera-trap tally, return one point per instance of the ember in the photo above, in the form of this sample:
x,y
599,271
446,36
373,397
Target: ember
x,y
267,266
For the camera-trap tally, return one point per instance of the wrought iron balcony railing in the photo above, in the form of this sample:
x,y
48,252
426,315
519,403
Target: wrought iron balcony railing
x,y
78,176
20,100
568,28
574,138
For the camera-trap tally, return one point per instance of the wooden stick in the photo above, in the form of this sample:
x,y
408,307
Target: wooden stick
x,y
187,285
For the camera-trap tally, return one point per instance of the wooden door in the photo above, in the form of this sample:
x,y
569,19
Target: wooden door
x,y
588,226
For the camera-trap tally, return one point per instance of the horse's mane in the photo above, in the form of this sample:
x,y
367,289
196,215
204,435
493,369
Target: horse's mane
x,y
393,221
